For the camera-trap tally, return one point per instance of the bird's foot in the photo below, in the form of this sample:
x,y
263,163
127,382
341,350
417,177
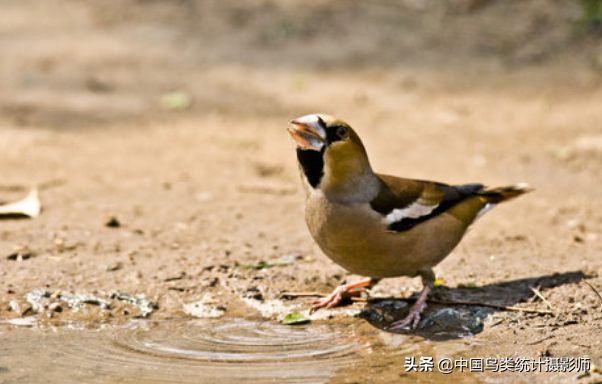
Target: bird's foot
x,y
341,292
413,317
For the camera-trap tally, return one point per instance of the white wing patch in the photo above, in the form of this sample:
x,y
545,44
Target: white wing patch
x,y
413,211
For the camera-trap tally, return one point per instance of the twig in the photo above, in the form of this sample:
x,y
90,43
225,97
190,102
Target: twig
x,y
541,340
539,294
479,304
302,294
42,186
435,301
267,189
594,289
496,306
183,289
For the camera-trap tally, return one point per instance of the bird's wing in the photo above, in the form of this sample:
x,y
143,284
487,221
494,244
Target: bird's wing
x,y
405,203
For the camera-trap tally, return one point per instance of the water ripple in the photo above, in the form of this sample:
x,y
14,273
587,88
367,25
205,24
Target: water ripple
x,y
204,351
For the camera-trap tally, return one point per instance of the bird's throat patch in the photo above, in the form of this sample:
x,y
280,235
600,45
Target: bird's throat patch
x,y
312,163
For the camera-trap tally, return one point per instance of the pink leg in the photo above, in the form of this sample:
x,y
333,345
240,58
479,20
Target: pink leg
x,y
413,317
339,293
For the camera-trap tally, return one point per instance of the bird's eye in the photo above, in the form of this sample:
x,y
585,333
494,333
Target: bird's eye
x,y
342,132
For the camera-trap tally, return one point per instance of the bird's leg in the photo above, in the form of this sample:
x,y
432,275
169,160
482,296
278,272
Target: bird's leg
x,y
341,292
412,319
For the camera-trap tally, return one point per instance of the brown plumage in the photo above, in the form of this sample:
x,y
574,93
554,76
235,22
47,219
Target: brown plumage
x,y
378,225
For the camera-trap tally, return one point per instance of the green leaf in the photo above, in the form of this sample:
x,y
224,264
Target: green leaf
x,y
294,318
176,101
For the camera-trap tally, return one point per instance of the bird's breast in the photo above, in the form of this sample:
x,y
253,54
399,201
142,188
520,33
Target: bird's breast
x,y
356,237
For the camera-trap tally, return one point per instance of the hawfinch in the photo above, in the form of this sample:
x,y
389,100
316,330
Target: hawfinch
x,y
378,225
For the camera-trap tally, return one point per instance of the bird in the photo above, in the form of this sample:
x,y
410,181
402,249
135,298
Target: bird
x,y
375,225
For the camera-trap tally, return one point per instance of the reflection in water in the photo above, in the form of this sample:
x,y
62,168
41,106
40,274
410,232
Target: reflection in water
x,y
205,351
438,322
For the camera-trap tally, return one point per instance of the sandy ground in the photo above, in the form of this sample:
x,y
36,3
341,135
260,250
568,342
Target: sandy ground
x,y
446,93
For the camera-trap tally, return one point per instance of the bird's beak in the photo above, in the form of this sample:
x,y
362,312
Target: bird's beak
x,y
308,133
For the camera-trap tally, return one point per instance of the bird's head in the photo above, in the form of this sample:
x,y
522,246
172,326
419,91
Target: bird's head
x,y
329,151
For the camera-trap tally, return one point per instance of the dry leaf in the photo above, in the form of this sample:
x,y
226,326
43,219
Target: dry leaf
x,y
29,206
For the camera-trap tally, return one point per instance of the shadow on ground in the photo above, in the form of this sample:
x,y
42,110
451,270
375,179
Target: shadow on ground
x,y
445,321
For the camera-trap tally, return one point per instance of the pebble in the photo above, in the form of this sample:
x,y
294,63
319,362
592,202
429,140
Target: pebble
x,y
112,222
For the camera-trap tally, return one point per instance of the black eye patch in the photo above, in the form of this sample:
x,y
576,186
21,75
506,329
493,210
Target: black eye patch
x,y
336,133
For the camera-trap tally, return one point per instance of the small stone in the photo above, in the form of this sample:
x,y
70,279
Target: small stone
x,y
544,352
14,306
112,222
257,296
114,267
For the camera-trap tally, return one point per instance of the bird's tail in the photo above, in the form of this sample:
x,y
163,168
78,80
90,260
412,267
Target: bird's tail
x,y
497,195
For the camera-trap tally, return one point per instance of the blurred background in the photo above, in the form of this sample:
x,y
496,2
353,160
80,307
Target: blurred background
x,y
74,64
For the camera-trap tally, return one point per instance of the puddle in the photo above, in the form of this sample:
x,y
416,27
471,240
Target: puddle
x,y
438,322
232,350
201,351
